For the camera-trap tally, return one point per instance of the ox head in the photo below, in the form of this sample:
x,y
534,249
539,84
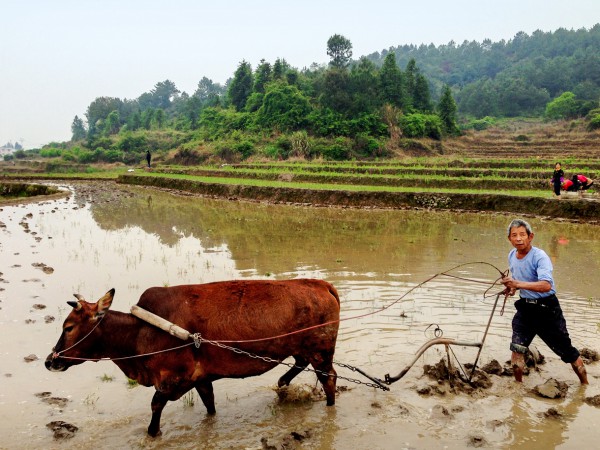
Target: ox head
x,y
79,330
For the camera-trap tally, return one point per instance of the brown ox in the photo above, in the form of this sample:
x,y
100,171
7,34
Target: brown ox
x,y
224,311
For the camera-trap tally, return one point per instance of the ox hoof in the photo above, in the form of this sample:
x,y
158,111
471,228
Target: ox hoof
x,y
154,433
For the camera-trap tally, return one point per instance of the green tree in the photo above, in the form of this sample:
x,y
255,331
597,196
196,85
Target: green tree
x,y
163,94
391,82
280,68
240,87
284,107
336,91
262,76
112,123
447,111
77,129
563,107
363,87
158,119
339,49
99,109
209,92
410,82
422,95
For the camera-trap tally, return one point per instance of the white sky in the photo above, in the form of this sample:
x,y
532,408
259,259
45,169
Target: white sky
x,y
57,56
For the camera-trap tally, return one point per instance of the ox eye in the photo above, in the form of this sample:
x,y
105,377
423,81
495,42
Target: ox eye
x,y
68,329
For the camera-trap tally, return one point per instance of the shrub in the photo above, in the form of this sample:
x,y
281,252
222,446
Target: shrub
x,y
188,157
562,107
480,124
300,144
246,148
594,123
50,152
274,152
366,145
129,142
339,150
421,125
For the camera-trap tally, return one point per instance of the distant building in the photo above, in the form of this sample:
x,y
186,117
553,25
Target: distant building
x,y
4,150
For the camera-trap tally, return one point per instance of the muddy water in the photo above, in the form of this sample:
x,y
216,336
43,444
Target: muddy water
x,y
132,239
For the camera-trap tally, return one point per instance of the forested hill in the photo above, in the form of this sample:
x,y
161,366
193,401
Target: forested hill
x,y
368,107
510,78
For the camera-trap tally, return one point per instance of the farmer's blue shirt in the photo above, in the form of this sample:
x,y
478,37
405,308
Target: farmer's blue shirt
x,y
536,266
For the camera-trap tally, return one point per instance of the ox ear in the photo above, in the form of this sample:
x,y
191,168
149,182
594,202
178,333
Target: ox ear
x,y
105,302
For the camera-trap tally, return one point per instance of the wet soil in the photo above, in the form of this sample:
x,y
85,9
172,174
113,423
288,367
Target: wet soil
x,y
106,235
584,209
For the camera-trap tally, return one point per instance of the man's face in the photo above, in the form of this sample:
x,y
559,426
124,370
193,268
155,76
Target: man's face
x,y
520,239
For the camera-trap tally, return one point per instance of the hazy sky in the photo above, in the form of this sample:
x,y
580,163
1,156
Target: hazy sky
x,y
57,56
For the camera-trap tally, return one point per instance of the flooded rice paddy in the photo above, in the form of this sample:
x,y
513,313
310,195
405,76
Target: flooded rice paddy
x,y
109,236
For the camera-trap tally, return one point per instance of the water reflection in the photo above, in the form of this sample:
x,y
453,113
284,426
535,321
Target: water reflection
x,y
375,258
365,243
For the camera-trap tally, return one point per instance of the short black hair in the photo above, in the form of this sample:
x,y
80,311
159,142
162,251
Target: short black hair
x,y
516,223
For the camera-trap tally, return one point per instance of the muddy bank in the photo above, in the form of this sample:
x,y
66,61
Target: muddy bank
x,y
128,238
17,192
573,209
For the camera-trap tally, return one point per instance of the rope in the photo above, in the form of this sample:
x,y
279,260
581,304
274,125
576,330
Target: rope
x,y
361,316
197,338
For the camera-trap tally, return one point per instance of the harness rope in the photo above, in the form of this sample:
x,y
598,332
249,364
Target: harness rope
x,y
198,339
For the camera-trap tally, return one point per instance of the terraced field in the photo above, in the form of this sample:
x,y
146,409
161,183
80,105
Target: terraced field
x,y
490,176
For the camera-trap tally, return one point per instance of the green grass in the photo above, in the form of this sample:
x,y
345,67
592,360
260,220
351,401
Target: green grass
x,y
345,187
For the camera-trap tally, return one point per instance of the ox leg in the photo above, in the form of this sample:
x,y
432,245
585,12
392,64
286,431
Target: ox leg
x,y
328,377
205,390
159,400
287,377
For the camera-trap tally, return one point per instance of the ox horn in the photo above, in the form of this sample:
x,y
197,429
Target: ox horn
x,y
75,305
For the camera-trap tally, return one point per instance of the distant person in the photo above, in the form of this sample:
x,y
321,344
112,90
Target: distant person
x,y
148,157
584,182
569,186
558,177
577,183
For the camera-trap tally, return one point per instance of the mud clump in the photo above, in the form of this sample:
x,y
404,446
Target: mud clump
x,y
453,379
477,441
30,358
551,389
43,267
593,401
62,430
299,393
290,441
493,368
441,412
46,397
552,413
589,356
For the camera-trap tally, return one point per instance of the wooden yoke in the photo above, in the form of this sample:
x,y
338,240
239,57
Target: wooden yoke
x,y
161,323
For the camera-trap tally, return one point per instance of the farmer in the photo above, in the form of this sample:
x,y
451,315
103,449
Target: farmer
x,y
583,182
558,177
538,310
148,157
577,183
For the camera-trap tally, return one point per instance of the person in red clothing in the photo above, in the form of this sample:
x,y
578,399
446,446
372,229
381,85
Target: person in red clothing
x,y
577,183
584,182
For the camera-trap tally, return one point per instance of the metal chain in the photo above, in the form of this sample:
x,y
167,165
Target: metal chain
x,y
197,336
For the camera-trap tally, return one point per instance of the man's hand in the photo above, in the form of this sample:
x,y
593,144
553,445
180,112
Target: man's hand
x,y
510,285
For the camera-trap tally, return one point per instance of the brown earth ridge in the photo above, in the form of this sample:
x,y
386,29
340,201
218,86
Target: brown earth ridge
x,y
584,209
